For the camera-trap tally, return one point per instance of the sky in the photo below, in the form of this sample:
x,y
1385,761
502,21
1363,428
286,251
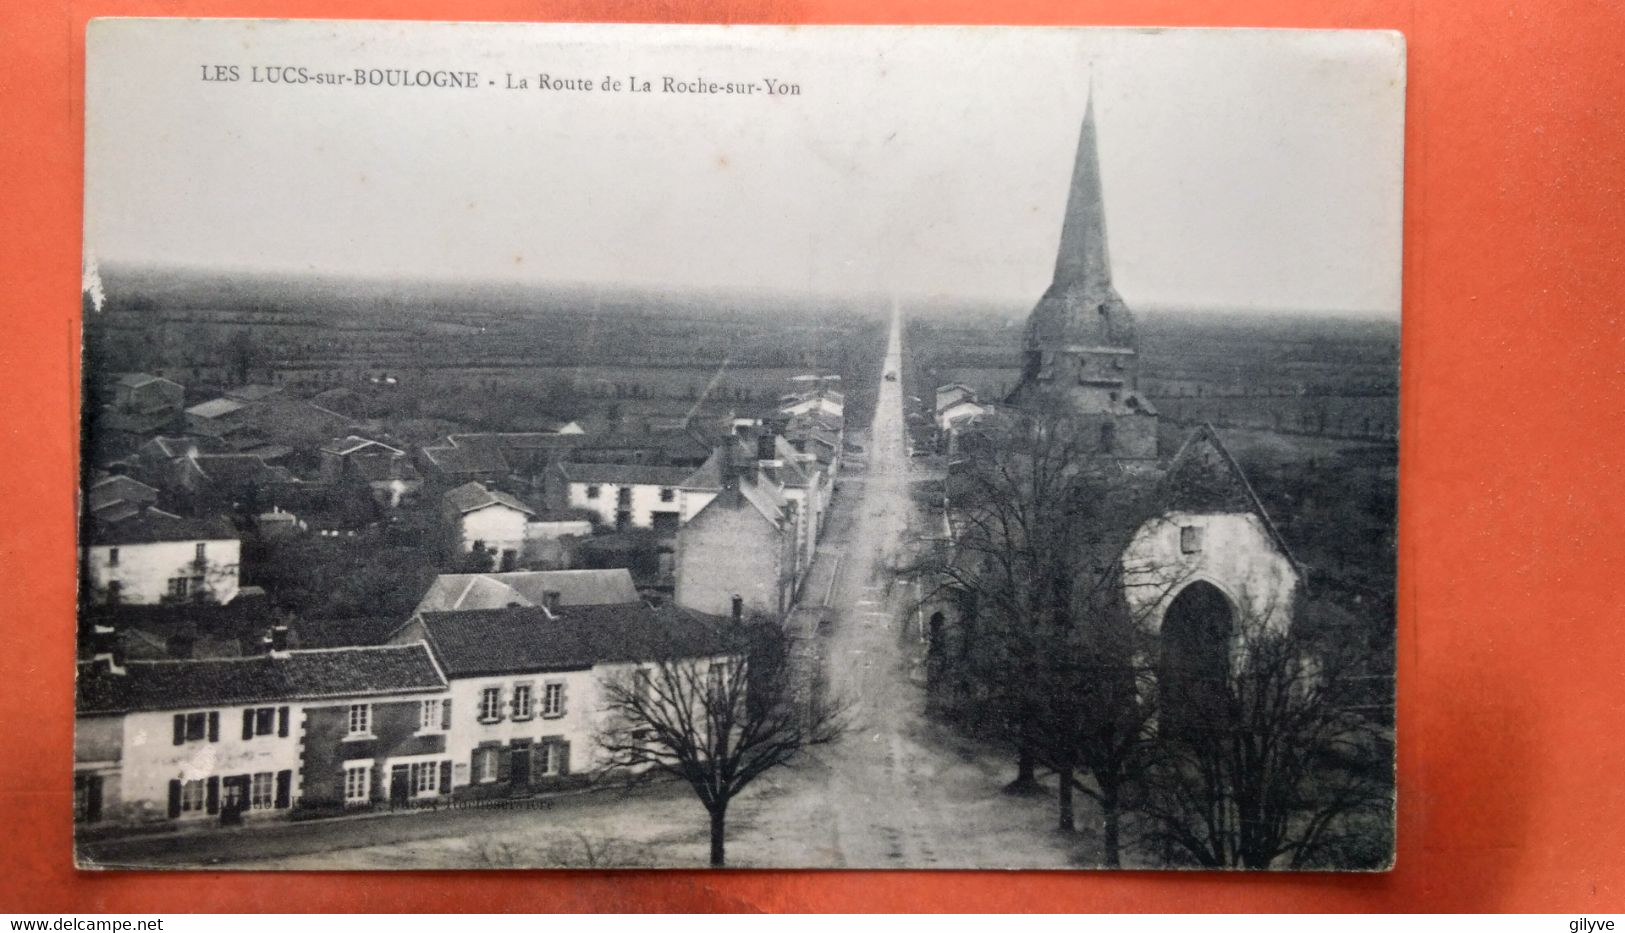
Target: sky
x,y
1241,168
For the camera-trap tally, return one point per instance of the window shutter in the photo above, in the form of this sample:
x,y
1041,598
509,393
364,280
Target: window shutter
x,y
284,787
564,699
445,776
180,728
282,721
504,765
213,800
445,714
248,724
563,751
214,727
474,775
174,799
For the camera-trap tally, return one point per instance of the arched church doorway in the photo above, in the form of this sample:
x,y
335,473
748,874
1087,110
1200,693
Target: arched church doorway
x,y
1196,632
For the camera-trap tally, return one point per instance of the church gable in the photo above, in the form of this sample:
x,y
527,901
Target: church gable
x,y
1204,478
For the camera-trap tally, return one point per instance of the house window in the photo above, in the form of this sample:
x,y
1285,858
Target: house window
x,y
180,587
592,492
192,797
425,777
553,699
522,702
1190,539
357,784
201,554
429,716
667,495
115,592
197,726
112,557
485,764
491,704
265,720
546,762
263,794
360,719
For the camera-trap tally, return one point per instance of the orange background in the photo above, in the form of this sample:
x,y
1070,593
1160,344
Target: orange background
x,y
1512,657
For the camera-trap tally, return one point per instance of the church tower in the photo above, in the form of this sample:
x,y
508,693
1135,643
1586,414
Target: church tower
x,y
1080,356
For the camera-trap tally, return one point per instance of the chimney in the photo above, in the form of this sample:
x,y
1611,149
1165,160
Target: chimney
x,y
107,649
550,601
738,608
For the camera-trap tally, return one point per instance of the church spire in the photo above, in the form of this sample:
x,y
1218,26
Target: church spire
x,y
1083,262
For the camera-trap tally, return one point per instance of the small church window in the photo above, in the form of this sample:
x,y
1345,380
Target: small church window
x,y
1190,539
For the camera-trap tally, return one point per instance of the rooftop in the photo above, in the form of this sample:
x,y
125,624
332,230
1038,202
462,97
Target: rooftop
x,y
626,474
465,591
295,675
484,642
471,497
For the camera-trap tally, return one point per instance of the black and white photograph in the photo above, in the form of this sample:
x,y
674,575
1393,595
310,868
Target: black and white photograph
x,y
582,446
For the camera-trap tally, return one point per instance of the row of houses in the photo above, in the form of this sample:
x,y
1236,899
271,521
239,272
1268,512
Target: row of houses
x,y
466,700
492,685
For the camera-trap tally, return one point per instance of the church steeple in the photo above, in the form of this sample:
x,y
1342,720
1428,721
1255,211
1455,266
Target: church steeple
x,y
1083,261
1080,307
1080,354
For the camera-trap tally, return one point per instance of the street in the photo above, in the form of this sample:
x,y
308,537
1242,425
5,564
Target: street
x,y
896,791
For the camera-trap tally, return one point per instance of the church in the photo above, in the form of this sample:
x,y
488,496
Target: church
x,y
1204,562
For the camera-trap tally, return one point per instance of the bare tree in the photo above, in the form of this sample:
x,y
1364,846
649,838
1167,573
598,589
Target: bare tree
x,y
1272,769
1049,648
716,709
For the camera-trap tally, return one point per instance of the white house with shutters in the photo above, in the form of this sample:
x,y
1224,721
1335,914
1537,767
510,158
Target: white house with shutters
x,y
219,739
525,686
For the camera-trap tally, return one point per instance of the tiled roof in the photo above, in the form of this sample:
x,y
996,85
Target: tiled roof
x,y
1203,477
215,408
484,642
253,392
459,460
471,496
353,443
171,447
153,526
115,489
464,591
626,474
298,675
237,470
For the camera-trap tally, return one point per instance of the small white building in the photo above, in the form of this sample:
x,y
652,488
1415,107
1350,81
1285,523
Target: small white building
x,y
625,495
154,557
488,519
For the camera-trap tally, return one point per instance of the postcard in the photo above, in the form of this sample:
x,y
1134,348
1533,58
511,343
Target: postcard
x,y
586,446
